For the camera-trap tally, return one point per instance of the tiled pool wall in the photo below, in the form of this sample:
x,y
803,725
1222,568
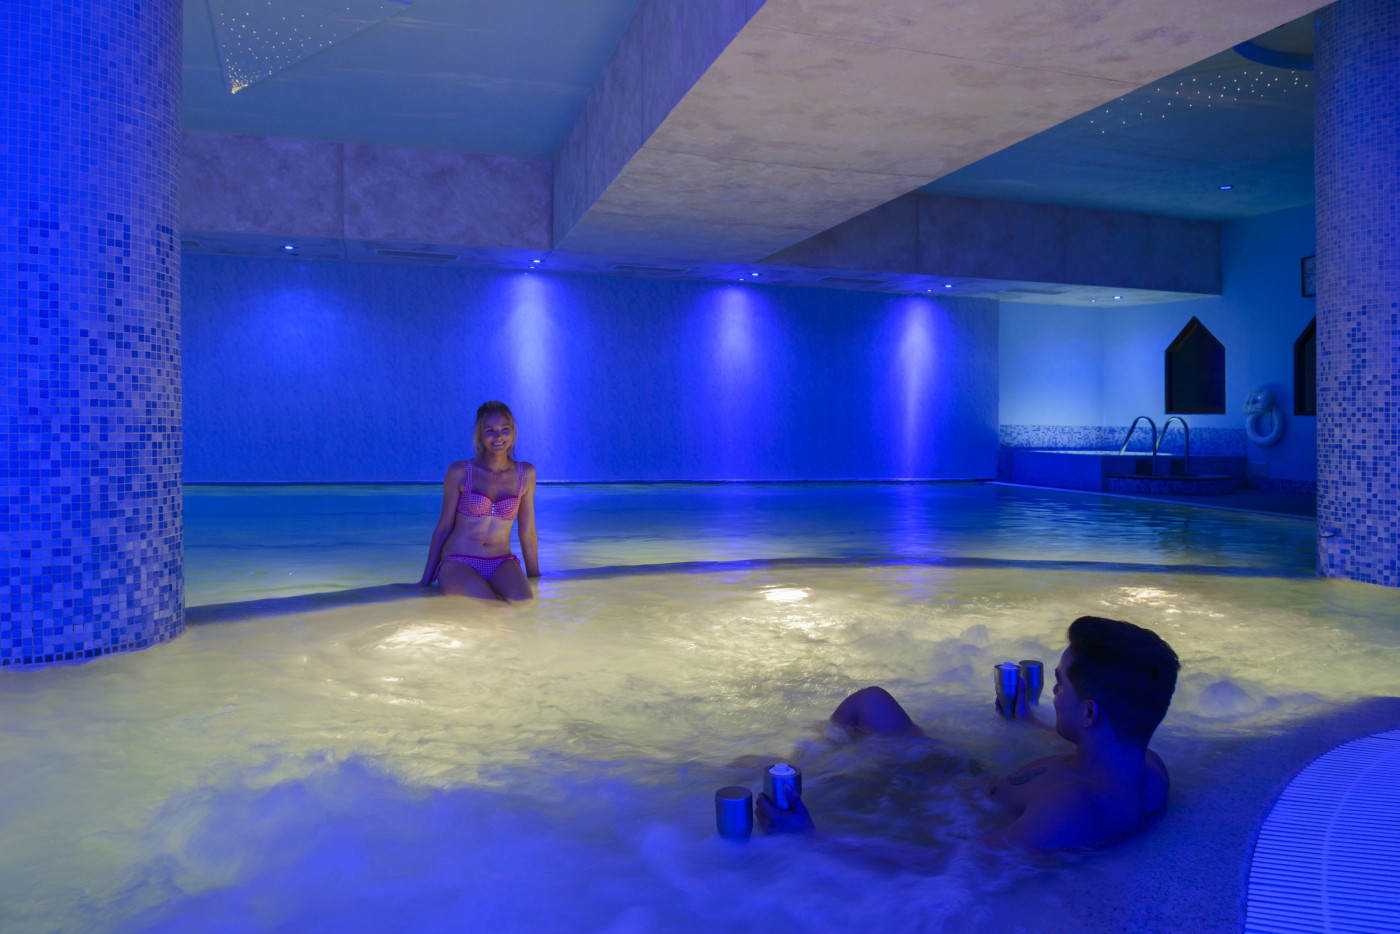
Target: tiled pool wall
x,y
1213,451
91,340
1357,50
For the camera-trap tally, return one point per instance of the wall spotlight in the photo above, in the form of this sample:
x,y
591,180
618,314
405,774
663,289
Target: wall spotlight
x,y
1117,297
288,247
534,262
753,274
1226,187
948,285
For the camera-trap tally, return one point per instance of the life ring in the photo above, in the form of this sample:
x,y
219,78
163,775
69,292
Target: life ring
x,y
1251,427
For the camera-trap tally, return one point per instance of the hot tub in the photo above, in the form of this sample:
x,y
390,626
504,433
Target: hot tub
x,y
328,748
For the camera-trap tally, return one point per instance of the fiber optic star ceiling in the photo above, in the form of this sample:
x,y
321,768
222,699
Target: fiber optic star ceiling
x,y
1225,138
500,76
258,39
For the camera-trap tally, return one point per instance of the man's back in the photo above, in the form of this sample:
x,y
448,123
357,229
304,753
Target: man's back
x,y
1058,802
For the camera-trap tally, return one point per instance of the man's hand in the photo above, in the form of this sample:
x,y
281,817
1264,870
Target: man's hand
x,y
775,820
1021,708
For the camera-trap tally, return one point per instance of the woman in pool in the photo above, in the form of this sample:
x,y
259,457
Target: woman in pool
x,y
481,497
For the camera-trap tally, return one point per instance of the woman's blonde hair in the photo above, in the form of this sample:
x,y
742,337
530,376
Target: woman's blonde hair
x,y
487,410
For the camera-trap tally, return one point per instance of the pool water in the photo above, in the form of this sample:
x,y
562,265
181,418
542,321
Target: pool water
x,y
330,748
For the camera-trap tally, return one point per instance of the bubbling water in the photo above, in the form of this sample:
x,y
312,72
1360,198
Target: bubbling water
x,y
425,763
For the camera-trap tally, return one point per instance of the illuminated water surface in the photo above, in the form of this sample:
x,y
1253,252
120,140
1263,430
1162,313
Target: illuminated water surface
x,y
379,759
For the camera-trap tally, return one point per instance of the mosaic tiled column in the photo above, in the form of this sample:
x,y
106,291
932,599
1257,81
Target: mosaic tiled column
x,y
1357,48
90,344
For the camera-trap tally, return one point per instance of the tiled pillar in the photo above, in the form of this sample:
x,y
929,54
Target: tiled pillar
x,y
90,343
1357,48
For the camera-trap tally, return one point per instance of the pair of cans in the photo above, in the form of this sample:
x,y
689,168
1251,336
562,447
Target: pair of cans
x,y
1027,675
782,783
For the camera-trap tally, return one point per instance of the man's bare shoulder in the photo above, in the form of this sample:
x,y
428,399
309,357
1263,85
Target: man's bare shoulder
x,y
1063,814
1015,790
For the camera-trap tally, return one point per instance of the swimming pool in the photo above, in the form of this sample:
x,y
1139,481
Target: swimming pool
x,y
325,749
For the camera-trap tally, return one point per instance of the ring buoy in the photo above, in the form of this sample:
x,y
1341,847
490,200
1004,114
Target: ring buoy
x,y
1251,427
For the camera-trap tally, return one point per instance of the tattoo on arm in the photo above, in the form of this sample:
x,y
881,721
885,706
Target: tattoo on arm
x,y
1025,775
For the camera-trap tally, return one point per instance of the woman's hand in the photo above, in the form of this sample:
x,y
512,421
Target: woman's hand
x,y
773,819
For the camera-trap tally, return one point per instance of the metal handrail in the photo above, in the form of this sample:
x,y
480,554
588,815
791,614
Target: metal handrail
x,y
1186,458
1132,428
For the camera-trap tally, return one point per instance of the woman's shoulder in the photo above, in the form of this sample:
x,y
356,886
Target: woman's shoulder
x,y
458,469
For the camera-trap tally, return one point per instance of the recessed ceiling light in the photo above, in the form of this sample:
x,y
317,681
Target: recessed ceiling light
x,y
535,262
753,274
1226,187
288,247
1117,297
948,285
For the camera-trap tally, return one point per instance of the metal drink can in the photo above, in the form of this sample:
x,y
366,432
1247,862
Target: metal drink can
x,y
1033,675
779,781
1005,676
734,812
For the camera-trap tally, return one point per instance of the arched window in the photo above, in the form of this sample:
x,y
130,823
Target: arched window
x,y
1305,371
1195,372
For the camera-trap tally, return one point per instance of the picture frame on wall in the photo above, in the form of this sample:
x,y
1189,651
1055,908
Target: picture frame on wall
x,y
1309,269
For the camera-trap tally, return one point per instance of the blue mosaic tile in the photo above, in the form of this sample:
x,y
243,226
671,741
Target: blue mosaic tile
x,y
1222,442
1281,485
1357,95
90,345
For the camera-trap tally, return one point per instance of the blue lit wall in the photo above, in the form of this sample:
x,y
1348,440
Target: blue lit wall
x,y
1103,367
302,371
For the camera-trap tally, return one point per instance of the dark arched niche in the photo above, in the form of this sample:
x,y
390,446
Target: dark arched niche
x,y
1195,372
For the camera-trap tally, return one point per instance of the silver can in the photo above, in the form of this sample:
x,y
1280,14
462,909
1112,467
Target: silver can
x,y
1033,675
1006,676
734,812
780,781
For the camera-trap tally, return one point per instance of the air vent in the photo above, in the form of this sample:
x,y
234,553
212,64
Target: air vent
x,y
846,280
190,244
647,270
1036,292
417,254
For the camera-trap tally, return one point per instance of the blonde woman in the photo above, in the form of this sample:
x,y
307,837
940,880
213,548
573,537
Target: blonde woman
x,y
481,498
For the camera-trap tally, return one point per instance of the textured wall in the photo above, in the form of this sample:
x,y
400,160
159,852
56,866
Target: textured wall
x,y
1082,368
339,371
942,235
1358,290
314,188
90,346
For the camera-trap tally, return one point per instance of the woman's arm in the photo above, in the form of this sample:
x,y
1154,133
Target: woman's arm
x,y
529,539
450,491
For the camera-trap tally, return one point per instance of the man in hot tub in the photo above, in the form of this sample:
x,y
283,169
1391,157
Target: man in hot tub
x,y
1113,685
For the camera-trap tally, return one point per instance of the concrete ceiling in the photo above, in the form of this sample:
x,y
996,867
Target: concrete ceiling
x,y
816,111
820,110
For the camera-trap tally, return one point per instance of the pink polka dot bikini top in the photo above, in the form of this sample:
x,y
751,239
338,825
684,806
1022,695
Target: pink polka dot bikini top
x,y
477,504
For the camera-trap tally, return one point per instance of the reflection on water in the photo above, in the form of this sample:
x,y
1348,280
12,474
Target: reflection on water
x,y
245,542
422,763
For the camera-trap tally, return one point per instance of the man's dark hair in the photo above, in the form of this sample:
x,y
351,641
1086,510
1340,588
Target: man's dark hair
x,y
1128,670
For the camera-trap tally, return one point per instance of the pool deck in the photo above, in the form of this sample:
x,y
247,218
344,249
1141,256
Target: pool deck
x,y
1296,505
